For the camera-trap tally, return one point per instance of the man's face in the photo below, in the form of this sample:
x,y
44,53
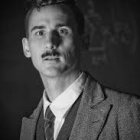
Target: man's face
x,y
53,42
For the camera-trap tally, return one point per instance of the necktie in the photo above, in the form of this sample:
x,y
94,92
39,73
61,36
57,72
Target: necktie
x,y
49,124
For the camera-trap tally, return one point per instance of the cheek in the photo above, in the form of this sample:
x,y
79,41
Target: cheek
x,y
35,48
68,44
68,48
35,58
69,55
35,54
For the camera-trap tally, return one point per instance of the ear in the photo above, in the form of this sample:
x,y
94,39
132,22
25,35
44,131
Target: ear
x,y
26,49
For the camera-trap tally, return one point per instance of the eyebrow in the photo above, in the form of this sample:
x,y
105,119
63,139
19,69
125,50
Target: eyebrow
x,y
37,27
61,24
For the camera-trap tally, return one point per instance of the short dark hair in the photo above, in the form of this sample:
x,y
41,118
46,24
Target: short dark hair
x,y
78,15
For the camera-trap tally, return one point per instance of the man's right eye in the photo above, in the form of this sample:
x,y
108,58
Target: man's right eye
x,y
40,33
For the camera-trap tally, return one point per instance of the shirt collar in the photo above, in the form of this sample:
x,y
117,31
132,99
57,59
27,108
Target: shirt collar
x,y
65,100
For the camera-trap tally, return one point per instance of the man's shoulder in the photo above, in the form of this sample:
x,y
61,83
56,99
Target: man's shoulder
x,y
37,110
115,96
120,96
122,101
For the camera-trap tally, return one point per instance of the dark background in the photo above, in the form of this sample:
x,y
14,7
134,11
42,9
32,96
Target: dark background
x,y
113,57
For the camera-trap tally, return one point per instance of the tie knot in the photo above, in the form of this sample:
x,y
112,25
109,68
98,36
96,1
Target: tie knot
x,y
49,116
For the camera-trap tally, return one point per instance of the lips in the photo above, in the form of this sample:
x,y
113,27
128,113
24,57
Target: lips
x,y
51,55
51,58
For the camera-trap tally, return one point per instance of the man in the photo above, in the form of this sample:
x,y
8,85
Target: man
x,y
80,107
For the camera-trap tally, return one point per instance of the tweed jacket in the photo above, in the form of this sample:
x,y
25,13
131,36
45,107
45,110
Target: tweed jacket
x,y
103,114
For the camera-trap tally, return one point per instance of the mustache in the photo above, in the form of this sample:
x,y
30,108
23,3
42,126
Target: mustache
x,y
50,53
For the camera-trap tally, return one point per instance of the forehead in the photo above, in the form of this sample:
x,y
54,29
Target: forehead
x,y
51,15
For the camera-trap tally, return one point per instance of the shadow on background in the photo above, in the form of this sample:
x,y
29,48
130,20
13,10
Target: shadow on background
x,y
113,62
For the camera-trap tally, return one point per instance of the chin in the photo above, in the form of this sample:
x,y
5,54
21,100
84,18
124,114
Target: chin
x,y
50,72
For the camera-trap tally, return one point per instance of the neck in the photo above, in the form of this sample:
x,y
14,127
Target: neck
x,y
54,86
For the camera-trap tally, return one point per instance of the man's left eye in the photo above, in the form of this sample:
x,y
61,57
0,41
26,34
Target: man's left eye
x,y
64,31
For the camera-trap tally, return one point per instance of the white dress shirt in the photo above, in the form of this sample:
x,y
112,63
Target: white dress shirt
x,y
63,102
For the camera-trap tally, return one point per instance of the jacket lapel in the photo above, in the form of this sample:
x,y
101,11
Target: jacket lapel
x,y
92,113
29,124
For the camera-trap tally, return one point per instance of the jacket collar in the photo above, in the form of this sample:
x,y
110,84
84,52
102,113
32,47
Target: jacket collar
x,y
92,113
93,93
29,124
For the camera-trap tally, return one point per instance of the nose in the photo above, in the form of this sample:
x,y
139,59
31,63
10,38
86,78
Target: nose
x,y
53,40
